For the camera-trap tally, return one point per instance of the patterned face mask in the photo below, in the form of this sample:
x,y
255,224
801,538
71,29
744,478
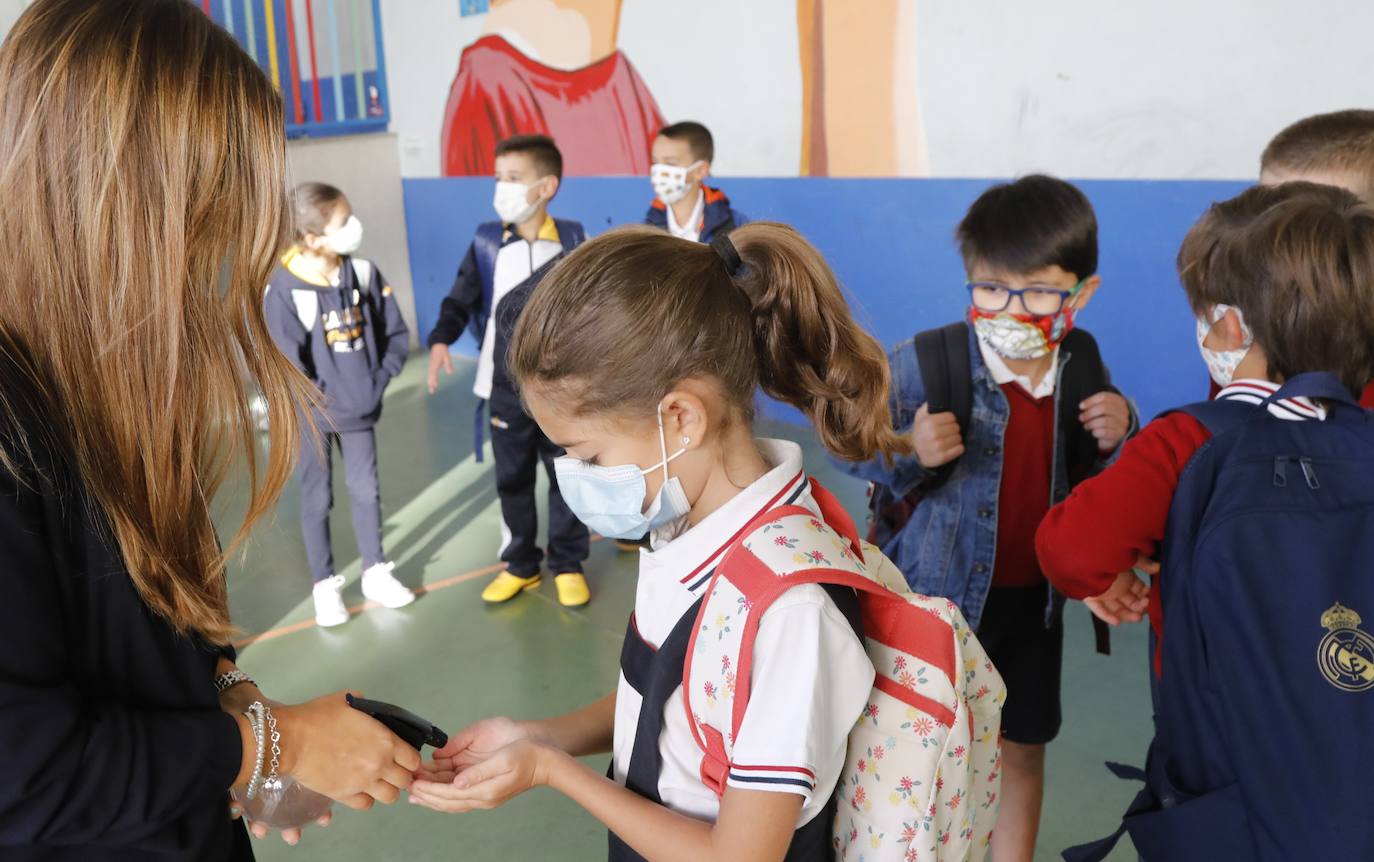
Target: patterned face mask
x,y
1021,336
1221,364
670,181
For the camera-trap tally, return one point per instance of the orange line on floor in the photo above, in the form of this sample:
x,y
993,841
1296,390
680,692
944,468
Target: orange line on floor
x,y
301,626
367,606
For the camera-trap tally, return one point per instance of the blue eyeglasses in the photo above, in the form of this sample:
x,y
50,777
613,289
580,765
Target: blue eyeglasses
x,y
1038,299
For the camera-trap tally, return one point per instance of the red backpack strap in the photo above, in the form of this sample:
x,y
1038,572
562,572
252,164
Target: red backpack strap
x,y
761,587
837,517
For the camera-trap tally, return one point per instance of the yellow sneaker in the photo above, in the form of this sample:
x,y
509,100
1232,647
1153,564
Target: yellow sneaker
x,y
508,586
572,590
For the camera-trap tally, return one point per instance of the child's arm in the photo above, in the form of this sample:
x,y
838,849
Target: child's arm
x,y
464,301
285,327
397,333
589,730
1113,519
753,824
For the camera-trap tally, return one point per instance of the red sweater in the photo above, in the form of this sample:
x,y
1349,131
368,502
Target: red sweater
x,y
603,116
1119,515
1024,494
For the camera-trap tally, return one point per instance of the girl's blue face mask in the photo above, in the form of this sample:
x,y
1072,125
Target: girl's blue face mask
x,y
610,500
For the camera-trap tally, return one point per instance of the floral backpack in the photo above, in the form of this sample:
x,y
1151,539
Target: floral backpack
x,y
923,769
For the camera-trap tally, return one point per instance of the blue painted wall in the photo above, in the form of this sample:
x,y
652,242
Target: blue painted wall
x,y
890,241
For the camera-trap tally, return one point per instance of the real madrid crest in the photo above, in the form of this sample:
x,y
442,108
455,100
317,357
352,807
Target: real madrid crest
x,y
1346,654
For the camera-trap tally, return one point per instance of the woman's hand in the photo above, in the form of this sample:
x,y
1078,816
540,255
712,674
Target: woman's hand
x,y
342,753
261,830
471,745
491,783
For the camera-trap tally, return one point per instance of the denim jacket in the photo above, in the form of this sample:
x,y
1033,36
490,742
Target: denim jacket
x,y
949,545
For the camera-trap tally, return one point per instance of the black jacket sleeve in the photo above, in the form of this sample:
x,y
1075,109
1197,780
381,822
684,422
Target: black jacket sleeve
x,y
463,303
79,768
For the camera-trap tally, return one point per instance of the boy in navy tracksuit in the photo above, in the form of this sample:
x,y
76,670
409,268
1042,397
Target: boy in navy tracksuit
x,y
336,319
502,255
683,204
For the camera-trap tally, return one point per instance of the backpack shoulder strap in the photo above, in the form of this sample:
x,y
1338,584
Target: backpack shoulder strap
x,y
799,548
1219,416
1084,376
947,377
1086,371
487,243
570,233
362,271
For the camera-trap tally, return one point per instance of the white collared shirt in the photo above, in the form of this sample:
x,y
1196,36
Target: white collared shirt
x,y
1002,375
811,677
1253,390
692,231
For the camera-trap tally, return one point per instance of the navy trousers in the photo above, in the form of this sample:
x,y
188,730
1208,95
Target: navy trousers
x,y
317,498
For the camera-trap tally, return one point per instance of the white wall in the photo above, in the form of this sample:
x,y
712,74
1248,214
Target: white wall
x,y
1158,89
366,168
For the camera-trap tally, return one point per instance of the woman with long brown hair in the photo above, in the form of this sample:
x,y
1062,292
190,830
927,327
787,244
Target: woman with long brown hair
x,y
144,201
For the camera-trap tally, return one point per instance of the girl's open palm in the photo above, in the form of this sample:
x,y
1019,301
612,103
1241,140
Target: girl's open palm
x,y
471,745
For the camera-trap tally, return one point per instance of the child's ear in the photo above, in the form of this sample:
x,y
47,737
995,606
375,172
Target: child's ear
x,y
1085,293
703,171
550,186
1231,330
684,420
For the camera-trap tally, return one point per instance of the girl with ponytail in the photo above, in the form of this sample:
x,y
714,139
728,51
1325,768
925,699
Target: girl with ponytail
x,y
641,355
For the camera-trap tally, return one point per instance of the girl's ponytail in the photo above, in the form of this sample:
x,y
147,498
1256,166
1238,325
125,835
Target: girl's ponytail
x,y
811,352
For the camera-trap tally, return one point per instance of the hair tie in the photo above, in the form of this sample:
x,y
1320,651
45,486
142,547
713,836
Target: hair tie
x,y
729,255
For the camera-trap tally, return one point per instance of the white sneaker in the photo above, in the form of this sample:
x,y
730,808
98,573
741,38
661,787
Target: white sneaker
x,y
381,586
329,603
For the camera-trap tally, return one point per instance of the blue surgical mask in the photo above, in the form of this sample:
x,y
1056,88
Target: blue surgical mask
x,y
610,500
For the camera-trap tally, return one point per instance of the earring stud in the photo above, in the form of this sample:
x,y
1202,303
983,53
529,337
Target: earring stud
x,y
686,441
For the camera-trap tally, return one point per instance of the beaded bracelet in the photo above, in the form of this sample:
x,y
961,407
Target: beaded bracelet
x,y
257,720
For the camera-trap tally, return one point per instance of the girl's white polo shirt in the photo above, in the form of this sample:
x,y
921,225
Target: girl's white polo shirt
x,y
811,677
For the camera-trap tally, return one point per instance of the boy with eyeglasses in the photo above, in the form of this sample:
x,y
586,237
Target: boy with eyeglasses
x,y
1041,416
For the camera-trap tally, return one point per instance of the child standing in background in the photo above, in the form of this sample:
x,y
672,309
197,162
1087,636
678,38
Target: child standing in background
x,y
501,256
336,319
683,204
1030,252
1257,506
1335,149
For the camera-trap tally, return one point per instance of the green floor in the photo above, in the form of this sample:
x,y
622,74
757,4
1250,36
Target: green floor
x,y
454,660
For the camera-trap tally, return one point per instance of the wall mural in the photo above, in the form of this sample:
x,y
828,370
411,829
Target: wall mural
x,y
555,67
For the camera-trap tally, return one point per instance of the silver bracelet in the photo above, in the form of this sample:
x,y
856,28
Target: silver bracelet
x,y
226,681
275,736
257,721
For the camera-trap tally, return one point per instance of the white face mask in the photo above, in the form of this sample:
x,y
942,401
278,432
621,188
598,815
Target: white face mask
x,y
670,181
1222,363
512,202
346,238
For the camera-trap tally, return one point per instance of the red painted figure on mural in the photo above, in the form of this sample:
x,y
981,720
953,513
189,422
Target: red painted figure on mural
x,y
584,93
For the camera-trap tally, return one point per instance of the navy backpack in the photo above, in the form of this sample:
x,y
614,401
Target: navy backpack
x,y
1265,703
